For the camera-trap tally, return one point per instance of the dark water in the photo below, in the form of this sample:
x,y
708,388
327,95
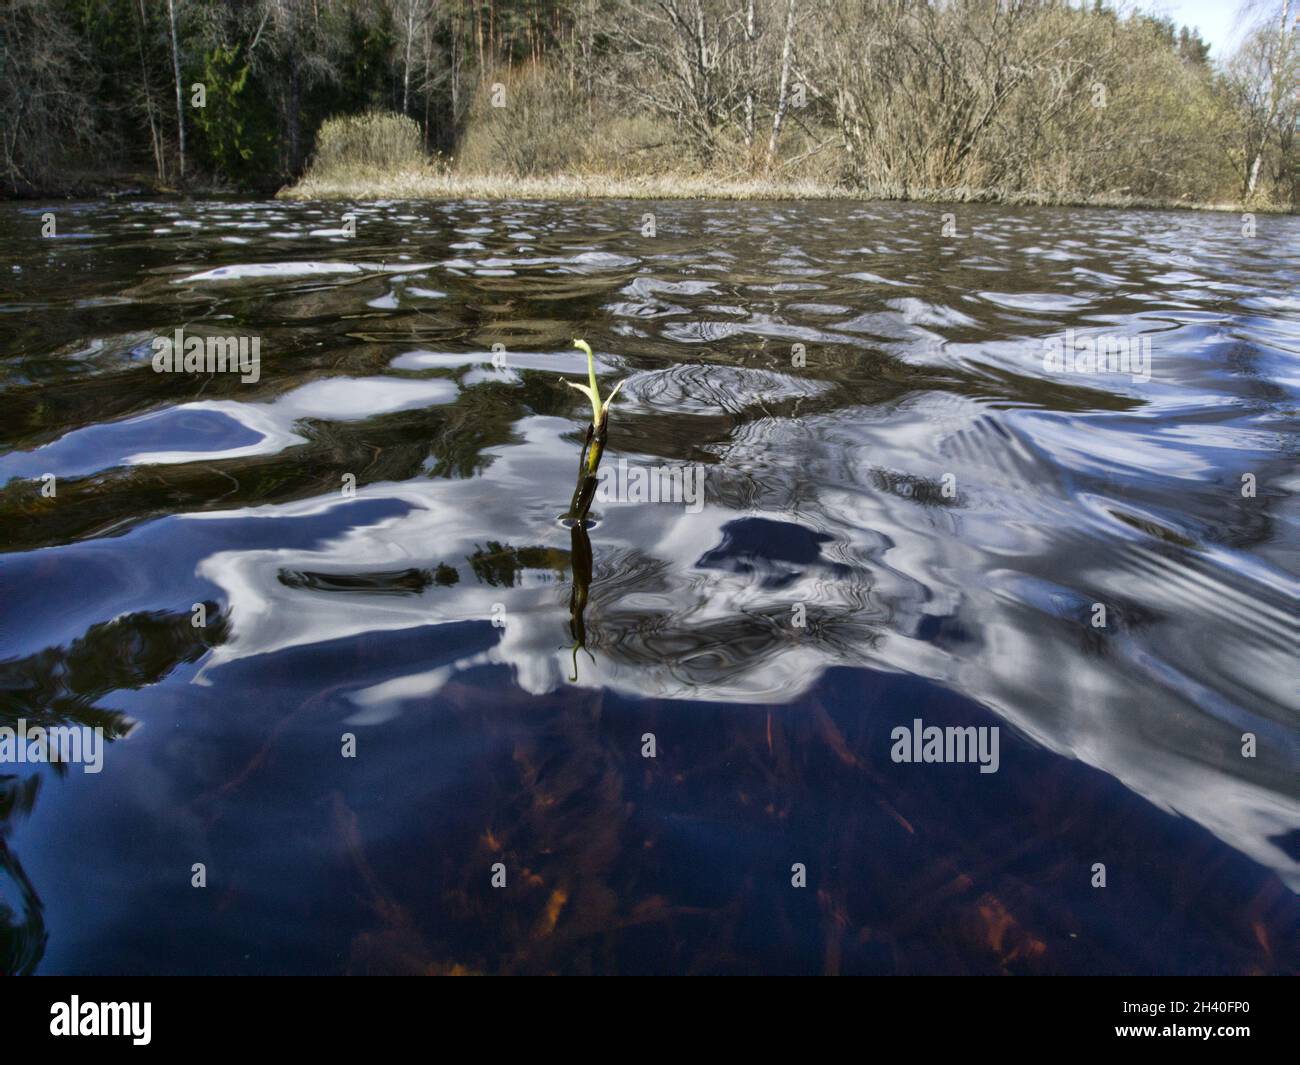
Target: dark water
x,y
940,509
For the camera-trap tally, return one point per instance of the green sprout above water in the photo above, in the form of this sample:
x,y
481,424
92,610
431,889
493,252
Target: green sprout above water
x,y
594,446
599,410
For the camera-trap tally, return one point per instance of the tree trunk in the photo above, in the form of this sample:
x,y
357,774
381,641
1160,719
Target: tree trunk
x,y
752,66
293,126
155,140
478,32
406,59
782,96
176,72
428,47
455,75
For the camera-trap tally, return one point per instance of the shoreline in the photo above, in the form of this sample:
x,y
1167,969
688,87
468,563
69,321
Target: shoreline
x,y
128,185
443,187
410,185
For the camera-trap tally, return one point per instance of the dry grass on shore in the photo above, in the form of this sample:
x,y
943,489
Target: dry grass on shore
x,y
422,183
379,156
433,185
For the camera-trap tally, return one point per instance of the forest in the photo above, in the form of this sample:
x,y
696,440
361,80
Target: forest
x,y
1065,101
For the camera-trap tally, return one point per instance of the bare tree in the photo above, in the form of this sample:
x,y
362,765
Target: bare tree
x,y
45,93
915,90
1263,75
296,48
411,18
678,59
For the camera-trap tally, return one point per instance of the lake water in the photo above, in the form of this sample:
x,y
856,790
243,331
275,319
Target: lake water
x,y
353,668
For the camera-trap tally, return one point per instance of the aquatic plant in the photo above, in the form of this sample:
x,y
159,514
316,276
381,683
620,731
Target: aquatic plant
x,y
594,446
583,493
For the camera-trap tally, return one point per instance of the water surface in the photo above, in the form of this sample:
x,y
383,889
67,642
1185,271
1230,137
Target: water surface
x,y
372,529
